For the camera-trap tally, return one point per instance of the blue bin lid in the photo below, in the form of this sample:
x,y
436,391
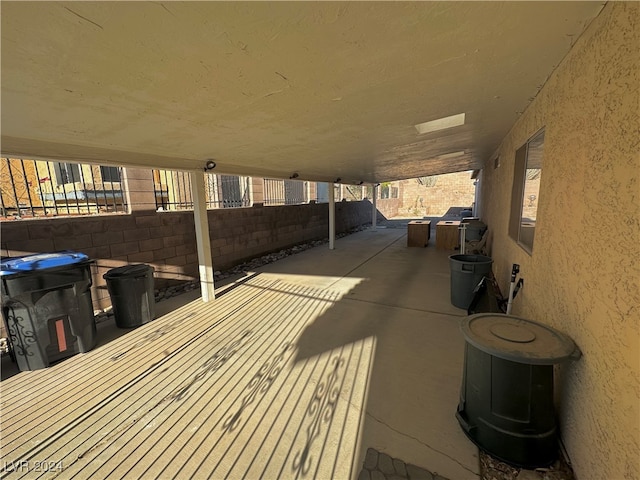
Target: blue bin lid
x,y
40,261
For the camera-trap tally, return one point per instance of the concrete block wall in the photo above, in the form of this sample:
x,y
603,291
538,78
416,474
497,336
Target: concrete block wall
x,y
450,190
417,200
389,207
166,240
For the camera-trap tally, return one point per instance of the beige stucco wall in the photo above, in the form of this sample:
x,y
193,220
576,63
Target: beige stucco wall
x,y
584,272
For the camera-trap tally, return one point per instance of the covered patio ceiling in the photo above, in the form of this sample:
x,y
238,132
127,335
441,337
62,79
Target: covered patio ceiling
x,y
322,89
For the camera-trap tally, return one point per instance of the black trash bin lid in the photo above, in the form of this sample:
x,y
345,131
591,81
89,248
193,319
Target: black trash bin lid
x,y
468,258
517,339
40,261
128,271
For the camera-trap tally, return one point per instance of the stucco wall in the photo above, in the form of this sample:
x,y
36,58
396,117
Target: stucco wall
x,y
582,277
167,240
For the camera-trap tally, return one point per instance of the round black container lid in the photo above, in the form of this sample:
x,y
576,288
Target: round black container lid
x,y
517,339
136,270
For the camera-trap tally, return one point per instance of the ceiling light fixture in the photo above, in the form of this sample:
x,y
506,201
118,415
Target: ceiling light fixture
x,y
440,123
210,165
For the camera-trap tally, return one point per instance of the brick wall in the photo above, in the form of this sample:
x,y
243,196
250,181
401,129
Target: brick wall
x,y
166,240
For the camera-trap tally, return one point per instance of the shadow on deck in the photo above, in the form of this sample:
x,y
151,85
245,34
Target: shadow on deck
x,y
293,373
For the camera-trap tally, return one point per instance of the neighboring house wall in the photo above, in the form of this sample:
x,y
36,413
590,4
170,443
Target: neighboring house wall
x,y
582,277
167,240
16,184
35,188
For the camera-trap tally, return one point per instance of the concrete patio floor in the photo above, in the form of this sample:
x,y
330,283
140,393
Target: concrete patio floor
x,y
292,372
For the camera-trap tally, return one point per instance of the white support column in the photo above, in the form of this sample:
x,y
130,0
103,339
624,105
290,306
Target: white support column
x,y
374,214
332,217
202,235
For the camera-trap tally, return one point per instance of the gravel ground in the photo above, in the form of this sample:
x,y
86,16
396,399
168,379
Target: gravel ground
x,y
493,469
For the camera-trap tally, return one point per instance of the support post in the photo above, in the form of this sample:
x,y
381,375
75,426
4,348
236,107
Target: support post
x,y
332,217
374,213
202,235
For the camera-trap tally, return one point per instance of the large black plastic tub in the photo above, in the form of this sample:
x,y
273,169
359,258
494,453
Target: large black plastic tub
x,y
506,400
132,294
47,308
506,408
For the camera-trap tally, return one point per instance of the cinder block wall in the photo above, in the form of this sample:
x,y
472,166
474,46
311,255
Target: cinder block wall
x,y
389,206
166,240
434,200
431,200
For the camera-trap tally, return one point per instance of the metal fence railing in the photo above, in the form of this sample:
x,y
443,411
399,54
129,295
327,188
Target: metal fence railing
x,y
285,192
172,190
38,188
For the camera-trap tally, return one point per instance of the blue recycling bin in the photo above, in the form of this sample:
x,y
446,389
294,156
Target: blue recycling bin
x,y
47,308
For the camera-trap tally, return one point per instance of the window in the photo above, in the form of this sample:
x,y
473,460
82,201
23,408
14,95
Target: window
x,y
110,174
66,173
294,192
369,191
322,192
525,191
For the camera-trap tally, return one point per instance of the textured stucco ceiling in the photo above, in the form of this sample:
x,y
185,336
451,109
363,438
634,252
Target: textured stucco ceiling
x,y
323,89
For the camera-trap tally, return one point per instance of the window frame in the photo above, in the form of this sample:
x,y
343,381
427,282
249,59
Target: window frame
x,y
107,174
518,191
65,174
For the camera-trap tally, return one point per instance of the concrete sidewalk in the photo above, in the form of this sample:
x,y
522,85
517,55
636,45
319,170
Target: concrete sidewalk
x,y
400,297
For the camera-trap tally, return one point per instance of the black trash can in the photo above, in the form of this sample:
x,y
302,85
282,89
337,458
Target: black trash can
x,y
506,400
47,308
466,273
131,291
